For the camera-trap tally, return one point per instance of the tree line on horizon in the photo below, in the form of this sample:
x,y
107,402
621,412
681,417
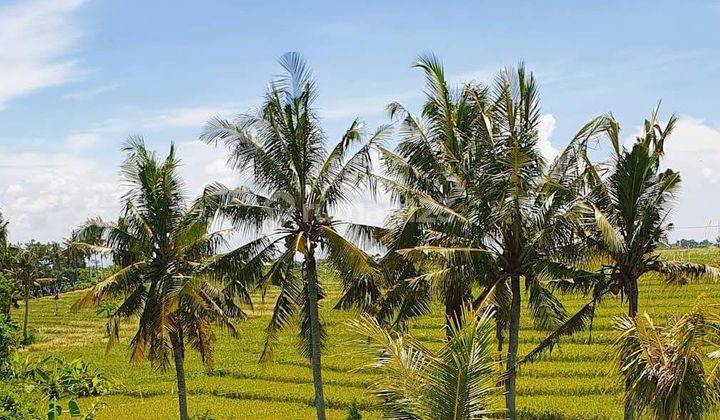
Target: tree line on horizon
x,y
481,222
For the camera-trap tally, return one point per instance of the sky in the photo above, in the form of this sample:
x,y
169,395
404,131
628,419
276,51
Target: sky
x,y
77,77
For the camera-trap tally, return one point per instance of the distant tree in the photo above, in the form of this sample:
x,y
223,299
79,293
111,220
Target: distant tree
x,y
166,268
28,270
3,234
297,184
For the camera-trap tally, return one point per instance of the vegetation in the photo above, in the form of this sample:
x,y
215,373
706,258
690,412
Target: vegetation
x,y
455,382
482,224
165,268
663,367
579,380
27,270
299,185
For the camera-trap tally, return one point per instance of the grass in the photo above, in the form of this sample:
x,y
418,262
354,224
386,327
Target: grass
x,y
575,381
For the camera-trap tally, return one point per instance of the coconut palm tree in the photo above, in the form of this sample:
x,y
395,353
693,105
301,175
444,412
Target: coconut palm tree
x,y
28,272
430,175
165,267
510,219
297,184
662,366
627,219
455,382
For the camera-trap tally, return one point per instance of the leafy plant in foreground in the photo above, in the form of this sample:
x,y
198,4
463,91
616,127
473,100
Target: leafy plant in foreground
x,y
455,382
663,368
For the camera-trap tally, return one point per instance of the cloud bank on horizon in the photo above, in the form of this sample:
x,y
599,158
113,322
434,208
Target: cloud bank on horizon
x,y
54,178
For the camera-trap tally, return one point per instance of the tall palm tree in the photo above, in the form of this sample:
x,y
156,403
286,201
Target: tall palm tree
x,y
297,184
628,217
509,217
455,382
166,267
27,270
430,175
663,367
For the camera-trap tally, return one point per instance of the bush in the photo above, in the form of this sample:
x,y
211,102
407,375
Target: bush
x,y
353,412
58,378
14,405
207,415
6,296
9,340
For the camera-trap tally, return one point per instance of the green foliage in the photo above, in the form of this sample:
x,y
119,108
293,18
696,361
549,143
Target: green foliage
x,y
56,410
9,340
206,415
457,381
17,405
353,412
57,378
663,367
6,296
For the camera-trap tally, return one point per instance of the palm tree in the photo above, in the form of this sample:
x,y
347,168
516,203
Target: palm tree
x,y
297,183
628,217
507,219
165,267
663,369
455,382
430,175
27,270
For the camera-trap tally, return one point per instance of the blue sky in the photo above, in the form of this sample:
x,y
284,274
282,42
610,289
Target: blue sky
x,y
78,76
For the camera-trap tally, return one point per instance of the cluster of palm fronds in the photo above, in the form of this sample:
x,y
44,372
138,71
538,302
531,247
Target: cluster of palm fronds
x,y
481,217
663,367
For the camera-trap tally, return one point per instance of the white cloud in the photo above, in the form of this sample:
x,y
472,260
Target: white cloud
x,y
50,193
35,42
694,150
82,141
90,93
545,130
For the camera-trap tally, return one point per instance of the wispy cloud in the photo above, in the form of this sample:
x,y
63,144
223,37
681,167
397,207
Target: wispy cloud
x,y
36,42
86,94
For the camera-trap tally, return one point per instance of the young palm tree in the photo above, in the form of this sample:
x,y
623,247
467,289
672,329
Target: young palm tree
x,y
26,269
297,183
455,382
165,262
628,216
663,367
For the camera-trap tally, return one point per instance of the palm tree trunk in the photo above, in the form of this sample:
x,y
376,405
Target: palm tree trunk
x,y
26,314
633,298
312,301
453,315
514,327
179,356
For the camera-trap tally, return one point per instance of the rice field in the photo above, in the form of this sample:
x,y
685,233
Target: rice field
x,y
575,381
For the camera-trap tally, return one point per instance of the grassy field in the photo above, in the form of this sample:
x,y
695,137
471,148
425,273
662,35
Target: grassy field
x,y
574,382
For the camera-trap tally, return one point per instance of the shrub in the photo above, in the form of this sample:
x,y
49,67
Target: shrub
x,y
9,340
58,378
353,412
15,405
